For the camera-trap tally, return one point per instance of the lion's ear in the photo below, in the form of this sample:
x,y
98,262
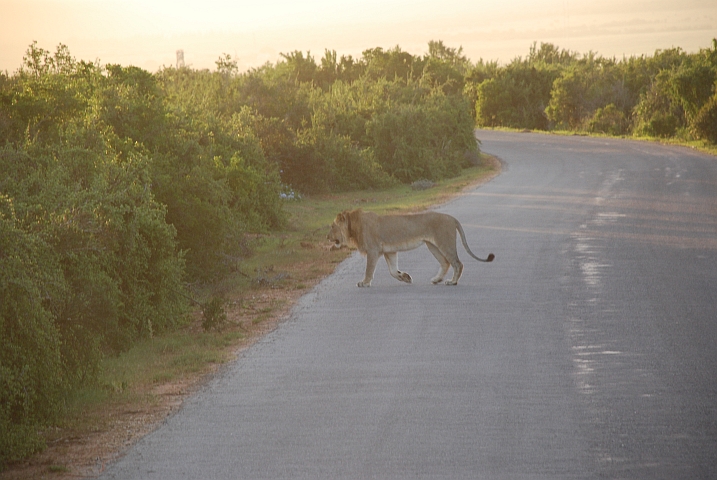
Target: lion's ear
x,y
340,217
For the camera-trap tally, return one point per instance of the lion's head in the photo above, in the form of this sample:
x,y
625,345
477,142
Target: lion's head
x,y
340,231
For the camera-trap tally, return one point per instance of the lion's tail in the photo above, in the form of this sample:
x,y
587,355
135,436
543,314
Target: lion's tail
x,y
490,258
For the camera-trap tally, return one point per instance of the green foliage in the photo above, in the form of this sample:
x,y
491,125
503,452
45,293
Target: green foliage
x,y
692,84
705,122
368,134
348,124
610,120
657,114
329,161
549,54
209,167
118,255
426,140
667,94
582,88
88,261
217,186
130,102
32,377
515,97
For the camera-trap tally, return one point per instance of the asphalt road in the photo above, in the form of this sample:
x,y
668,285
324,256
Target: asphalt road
x,y
588,349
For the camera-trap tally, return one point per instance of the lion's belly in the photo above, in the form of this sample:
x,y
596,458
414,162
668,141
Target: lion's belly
x,y
401,246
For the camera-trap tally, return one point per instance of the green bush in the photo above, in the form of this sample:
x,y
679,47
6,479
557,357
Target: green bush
x,y
610,120
705,122
427,140
118,255
95,267
583,87
657,114
33,379
516,97
328,162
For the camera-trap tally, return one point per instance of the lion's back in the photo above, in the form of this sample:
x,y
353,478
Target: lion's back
x,y
410,230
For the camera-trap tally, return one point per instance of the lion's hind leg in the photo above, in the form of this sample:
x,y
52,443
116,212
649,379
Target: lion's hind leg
x,y
392,261
457,272
445,264
447,257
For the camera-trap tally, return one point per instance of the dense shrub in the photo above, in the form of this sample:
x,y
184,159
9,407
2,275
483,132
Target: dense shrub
x,y
516,97
582,88
89,264
657,114
610,120
663,95
705,122
33,379
424,141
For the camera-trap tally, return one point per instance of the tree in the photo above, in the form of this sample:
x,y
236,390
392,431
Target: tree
x,y
657,114
704,125
301,69
549,54
610,120
582,88
393,64
516,96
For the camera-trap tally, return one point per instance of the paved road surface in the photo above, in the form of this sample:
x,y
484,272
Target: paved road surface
x,y
588,349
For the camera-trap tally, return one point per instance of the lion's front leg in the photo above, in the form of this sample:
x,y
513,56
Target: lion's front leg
x,y
371,260
392,261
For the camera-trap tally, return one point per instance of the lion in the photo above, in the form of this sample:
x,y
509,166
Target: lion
x,y
375,235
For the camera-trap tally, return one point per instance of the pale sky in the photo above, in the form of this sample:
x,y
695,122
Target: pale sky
x,y
147,33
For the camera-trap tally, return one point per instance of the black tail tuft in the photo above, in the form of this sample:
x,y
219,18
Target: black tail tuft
x,y
490,258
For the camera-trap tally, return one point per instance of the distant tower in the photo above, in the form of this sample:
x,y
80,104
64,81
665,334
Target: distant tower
x,y
180,59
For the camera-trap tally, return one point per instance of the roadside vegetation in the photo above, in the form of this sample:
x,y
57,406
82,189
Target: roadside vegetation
x,y
141,213
670,95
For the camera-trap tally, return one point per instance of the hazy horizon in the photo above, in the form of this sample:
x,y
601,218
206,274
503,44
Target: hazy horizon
x,y
147,33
